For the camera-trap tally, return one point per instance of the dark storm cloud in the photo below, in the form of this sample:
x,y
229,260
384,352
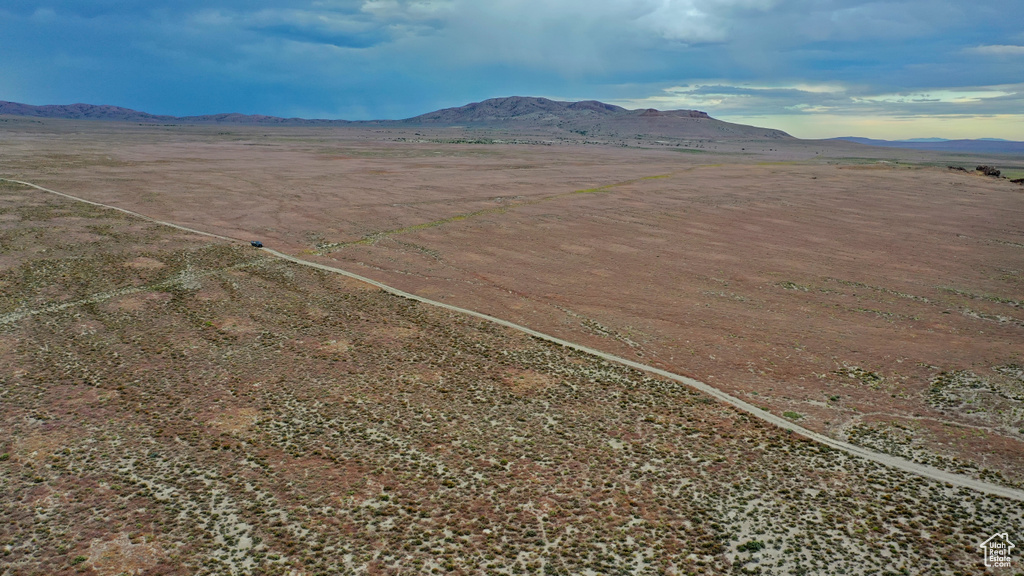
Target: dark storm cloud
x,y
377,58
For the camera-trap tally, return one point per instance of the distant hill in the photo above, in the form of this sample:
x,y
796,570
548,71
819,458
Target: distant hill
x,y
980,146
586,118
519,109
118,114
79,112
591,117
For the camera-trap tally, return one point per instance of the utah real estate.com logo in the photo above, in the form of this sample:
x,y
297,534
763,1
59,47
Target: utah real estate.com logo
x,y
997,550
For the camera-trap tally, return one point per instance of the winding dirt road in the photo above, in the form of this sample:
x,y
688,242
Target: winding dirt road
x,y
884,459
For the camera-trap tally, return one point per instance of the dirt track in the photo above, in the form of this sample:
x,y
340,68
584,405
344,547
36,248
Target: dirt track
x,y
899,463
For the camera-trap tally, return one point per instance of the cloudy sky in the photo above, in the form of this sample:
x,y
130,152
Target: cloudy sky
x,y
816,68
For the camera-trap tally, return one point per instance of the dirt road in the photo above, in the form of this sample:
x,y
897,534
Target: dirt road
x,y
891,461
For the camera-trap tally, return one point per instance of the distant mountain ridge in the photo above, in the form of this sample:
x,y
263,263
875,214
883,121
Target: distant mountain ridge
x,y
119,114
539,109
981,145
588,117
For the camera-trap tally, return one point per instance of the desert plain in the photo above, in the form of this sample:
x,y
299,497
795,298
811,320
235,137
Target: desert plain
x,y
174,403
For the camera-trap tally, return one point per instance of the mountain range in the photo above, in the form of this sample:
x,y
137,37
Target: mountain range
x,y
119,114
979,146
586,118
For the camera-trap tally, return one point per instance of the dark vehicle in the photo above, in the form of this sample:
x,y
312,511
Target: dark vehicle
x,y
256,244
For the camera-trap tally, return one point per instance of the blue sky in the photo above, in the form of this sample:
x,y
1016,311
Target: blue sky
x,y
816,68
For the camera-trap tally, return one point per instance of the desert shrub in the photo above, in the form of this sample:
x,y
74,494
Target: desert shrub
x,y
751,546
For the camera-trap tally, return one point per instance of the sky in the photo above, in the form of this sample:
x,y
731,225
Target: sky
x,y
815,68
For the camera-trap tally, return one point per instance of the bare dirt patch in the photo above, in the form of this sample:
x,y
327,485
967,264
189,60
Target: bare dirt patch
x,y
335,346
122,556
146,263
39,444
527,383
140,302
235,420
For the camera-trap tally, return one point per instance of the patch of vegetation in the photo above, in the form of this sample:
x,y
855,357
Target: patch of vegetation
x,y
863,376
945,387
751,546
902,441
879,289
955,388
11,186
787,285
988,297
1015,371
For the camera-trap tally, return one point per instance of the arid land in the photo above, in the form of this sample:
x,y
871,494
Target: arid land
x,y
191,405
